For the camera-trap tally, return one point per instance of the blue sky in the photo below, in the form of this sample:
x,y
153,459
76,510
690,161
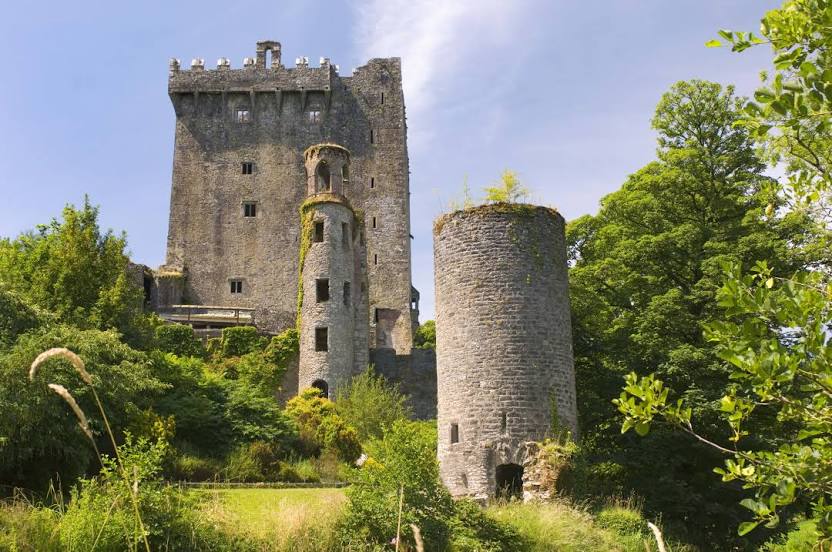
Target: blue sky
x,y
561,92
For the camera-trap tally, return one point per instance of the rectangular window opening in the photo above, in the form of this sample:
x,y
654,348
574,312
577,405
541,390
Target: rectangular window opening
x,y
322,290
249,209
375,315
319,232
503,422
313,116
321,339
248,167
347,293
372,182
375,259
345,235
375,223
236,286
382,98
372,137
243,116
454,433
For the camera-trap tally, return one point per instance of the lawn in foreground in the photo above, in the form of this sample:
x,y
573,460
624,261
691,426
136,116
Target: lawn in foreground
x,y
284,518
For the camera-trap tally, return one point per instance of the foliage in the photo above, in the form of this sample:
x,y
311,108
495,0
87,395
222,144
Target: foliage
x,y
99,515
781,361
189,467
773,335
16,317
622,520
370,404
74,270
241,340
178,339
39,437
507,190
473,530
425,337
646,270
320,427
404,461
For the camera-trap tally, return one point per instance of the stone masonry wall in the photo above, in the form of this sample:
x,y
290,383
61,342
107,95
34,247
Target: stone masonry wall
x,y
289,109
504,342
415,375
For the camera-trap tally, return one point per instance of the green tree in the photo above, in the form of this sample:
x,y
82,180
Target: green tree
x,y
39,436
320,427
645,274
370,404
425,337
72,269
774,333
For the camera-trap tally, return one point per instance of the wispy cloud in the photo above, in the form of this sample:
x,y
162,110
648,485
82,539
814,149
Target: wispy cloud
x,y
434,38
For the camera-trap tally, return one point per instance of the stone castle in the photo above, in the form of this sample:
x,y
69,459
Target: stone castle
x,y
290,204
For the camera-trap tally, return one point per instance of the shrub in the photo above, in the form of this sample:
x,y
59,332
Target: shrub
x,y
240,340
370,404
473,530
403,461
425,337
624,521
299,471
320,428
188,467
24,526
178,339
40,438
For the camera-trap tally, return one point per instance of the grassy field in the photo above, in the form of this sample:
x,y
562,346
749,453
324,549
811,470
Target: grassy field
x,y
284,518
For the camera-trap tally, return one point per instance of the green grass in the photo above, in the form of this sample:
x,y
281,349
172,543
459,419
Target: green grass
x,y
277,519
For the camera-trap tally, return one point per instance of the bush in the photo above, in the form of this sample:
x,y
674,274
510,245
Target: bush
x,y
405,459
178,339
24,526
622,520
188,467
41,439
299,471
370,404
320,428
241,340
425,337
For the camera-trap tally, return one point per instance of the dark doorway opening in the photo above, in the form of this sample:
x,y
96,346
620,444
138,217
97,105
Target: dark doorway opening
x,y
322,385
147,285
509,479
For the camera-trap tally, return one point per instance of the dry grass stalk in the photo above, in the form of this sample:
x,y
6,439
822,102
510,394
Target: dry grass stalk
x,y
417,536
62,353
658,535
70,400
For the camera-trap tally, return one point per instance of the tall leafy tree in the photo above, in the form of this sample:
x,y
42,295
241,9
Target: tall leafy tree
x,y
645,274
73,269
774,334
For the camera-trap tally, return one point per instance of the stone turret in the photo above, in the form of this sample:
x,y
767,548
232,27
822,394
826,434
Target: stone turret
x,y
333,307
504,343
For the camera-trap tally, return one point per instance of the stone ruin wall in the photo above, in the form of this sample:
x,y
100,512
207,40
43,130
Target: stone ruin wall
x,y
504,340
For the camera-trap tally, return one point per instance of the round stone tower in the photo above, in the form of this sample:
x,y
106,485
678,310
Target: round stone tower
x,y
504,343
331,274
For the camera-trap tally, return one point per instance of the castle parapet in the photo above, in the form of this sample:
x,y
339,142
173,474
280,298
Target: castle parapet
x,y
254,76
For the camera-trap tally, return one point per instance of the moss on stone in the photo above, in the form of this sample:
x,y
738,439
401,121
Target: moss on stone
x,y
311,150
519,209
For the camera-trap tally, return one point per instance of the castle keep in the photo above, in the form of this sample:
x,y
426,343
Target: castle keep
x,y
290,207
240,177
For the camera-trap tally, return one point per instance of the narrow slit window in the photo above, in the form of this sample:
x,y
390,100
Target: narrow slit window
x,y
319,232
372,137
321,339
375,259
503,422
249,209
372,182
454,433
382,98
243,116
375,223
236,286
347,293
322,290
345,174
345,235
248,167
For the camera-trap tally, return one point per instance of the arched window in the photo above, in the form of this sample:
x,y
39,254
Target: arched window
x,y
323,386
324,183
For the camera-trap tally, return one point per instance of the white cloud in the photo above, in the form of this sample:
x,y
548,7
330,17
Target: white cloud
x,y
434,38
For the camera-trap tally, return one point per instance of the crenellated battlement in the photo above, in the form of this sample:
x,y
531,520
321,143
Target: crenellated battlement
x,y
257,73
